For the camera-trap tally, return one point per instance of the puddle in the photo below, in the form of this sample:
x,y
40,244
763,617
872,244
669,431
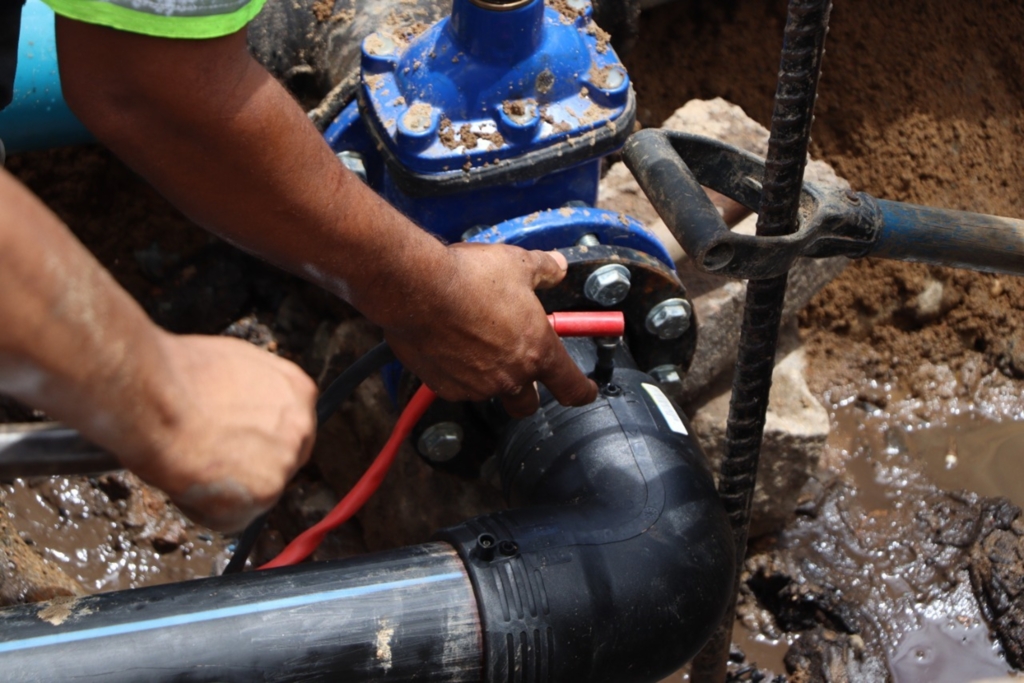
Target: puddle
x,y
975,454
945,651
885,558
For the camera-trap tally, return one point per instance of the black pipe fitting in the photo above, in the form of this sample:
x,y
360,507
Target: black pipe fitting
x,y
614,568
623,557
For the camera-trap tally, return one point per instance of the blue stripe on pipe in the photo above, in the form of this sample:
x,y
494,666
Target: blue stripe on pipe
x,y
220,613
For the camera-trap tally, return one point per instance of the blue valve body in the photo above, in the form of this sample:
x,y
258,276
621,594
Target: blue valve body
x,y
492,115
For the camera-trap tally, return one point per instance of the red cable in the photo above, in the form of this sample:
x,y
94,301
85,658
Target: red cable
x,y
306,542
589,324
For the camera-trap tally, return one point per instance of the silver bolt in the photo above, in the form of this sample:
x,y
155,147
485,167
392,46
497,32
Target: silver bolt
x,y
669,319
666,374
608,285
353,161
379,44
440,442
611,78
588,240
614,78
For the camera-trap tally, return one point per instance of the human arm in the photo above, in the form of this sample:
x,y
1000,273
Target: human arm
x,y
216,423
209,128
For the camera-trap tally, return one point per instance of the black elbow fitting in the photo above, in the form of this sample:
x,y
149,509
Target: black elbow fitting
x,y
616,563
615,567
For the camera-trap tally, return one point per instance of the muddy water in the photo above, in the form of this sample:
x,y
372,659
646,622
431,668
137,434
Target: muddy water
x,y
974,453
111,533
876,540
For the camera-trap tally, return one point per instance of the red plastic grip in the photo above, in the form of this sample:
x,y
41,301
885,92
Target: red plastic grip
x,y
588,323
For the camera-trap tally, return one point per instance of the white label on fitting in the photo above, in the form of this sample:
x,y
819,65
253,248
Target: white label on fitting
x,y
667,410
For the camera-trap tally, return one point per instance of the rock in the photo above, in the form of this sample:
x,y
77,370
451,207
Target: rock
x,y
824,656
722,120
795,432
928,304
997,577
24,575
718,301
250,329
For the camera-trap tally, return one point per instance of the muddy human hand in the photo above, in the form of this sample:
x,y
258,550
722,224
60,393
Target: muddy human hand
x,y
481,332
245,424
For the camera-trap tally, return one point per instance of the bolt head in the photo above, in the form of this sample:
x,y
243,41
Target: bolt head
x,y
379,44
670,319
608,285
440,442
614,78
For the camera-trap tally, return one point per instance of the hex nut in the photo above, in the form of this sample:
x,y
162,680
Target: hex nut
x,y
670,319
608,285
440,442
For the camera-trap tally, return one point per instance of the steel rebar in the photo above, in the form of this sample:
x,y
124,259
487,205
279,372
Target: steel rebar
x,y
802,51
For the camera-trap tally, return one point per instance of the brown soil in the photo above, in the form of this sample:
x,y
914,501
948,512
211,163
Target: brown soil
x,y
920,102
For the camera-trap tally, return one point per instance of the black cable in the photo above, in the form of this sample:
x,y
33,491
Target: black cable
x,y
328,403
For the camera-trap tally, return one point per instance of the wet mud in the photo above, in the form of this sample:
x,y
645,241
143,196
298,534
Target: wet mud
x,y
884,574
112,532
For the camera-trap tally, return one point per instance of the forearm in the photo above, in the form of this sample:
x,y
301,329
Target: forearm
x,y
73,343
228,145
210,129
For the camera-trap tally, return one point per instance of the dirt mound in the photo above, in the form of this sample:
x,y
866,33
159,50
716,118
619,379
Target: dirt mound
x,y
882,320
920,102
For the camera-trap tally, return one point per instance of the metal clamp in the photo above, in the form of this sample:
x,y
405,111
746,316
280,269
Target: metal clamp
x,y
671,167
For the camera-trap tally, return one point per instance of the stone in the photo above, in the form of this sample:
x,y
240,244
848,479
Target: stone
x,y
718,301
795,432
928,304
823,656
997,577
25,576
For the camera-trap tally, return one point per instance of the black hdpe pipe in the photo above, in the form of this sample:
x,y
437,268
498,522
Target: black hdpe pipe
x,y
614,567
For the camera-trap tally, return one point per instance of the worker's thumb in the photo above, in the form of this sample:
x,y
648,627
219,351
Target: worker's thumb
x,y
549,268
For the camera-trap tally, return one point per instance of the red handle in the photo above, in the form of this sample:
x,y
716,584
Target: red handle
x,y
588,323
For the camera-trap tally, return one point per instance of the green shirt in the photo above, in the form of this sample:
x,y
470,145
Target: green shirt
x,y
163,18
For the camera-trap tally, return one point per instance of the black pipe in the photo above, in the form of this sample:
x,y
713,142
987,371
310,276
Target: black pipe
x,y
802,50
47,449
399,616
619,563
615,569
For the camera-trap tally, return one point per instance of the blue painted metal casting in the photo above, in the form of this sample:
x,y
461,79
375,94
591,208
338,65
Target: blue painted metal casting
x,y
557,228
491,115
521,80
